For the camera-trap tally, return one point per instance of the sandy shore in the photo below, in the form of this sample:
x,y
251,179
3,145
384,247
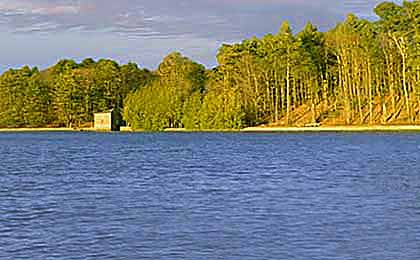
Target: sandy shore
x,y
59,129
175,130
377,128
38,130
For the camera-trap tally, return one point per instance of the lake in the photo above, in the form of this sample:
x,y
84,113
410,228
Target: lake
x,y
210,196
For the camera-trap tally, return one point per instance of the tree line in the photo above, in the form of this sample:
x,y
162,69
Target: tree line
x,y
66,94
359,72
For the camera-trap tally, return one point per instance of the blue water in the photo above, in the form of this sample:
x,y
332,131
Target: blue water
x,y
209,196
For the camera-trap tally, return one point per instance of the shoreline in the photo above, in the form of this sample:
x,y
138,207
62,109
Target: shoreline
x,y
42,129
257,129
320,129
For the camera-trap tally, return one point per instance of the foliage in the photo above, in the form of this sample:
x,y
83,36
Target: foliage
x,y
67,94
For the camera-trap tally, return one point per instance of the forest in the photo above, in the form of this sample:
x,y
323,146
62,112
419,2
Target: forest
x,y
359,73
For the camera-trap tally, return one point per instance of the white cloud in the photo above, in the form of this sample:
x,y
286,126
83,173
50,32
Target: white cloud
x,y
195,26
22,7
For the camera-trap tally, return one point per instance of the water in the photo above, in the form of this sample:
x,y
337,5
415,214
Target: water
x,y
209,196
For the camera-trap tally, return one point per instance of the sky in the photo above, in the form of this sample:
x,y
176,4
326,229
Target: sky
x,y
41,32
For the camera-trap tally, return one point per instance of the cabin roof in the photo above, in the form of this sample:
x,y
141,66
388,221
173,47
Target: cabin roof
x,y
105,112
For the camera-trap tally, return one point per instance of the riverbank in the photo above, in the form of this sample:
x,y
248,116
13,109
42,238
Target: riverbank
x,y
44,129
59,129
258,129
293,129
183,130
373,128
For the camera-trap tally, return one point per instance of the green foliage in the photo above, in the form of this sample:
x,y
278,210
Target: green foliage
x,y
191,111
67,94
24,98
162,103
222,107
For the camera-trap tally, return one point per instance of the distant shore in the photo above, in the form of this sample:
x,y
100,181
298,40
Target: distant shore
x,y
372,128
43,129
58,129
296,129
257,129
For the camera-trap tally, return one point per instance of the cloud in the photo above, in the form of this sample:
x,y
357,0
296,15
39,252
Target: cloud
x,y
221,19
197,27
145,18
22,7
363,8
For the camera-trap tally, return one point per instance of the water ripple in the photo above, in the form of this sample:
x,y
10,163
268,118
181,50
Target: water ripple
x,y
209,196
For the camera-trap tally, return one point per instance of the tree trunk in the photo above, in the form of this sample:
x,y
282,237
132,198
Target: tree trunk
x,y
288,93
369,72
400,42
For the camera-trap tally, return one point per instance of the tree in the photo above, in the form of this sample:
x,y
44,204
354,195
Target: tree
x,y
161,103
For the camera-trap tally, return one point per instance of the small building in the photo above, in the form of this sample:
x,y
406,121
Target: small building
x,y
108,121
